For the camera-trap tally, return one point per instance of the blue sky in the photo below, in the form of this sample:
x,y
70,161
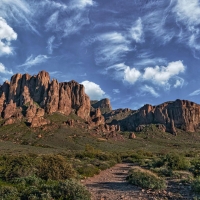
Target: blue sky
x,y
131,51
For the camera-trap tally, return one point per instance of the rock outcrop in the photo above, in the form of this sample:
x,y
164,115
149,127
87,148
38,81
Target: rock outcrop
x,y
168,116
104,105
37,95
32,97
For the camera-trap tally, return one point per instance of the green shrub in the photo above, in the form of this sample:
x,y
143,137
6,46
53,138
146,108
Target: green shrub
x,y
88,170
31,193
27,181
9,193
145,179
69,190
55,168
195,169
16,166
176,162
196,185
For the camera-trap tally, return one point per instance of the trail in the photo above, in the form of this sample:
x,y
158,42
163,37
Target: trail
x,y
111,184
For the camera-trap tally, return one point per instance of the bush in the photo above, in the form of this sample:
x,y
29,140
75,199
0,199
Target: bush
x,y
145,179
9,193
88,170
196,185
16,166
68,189
55,168
176,162
195,167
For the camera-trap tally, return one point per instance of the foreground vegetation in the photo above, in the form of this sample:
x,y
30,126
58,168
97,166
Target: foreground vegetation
x,y
48,163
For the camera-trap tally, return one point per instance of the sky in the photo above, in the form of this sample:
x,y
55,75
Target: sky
x,y
133,52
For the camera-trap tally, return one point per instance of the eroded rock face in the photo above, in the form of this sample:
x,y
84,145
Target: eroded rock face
x,y
38,121
38,94
104,105
180,114
96,117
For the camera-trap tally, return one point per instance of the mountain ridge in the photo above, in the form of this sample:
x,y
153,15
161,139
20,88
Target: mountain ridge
x,y
32,97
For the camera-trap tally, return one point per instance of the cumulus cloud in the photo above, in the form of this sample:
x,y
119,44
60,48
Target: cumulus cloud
x,y
188,11
150,90
7,34
131,75
32,61
4,71
195,93
137,31
161,75
93,90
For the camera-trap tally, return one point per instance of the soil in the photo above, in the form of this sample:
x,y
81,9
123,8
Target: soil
x,y
111,185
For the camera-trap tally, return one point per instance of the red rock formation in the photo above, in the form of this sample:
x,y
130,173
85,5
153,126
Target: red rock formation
x,y
132,136
50,96
177,114
96,118
103,104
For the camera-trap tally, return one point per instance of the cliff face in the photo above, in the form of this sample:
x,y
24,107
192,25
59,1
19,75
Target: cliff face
x,y
104,105
33,96
49,96
180,114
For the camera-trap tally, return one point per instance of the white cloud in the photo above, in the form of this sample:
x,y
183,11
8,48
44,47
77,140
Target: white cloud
x,y
54,5
3,70
195,93
161,75
7,34
52,21
19,12
81,4
179,82
116,91
112,49
131,75
93,90
50,45
137,31
32,61
188,11
156,22
150,90
113,37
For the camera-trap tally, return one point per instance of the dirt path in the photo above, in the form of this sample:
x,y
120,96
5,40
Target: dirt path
x,y
111,185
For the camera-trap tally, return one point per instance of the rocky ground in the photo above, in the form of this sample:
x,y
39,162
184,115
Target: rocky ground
x,y
111,185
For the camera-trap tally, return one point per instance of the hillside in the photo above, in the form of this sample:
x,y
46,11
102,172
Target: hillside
x,y
42,119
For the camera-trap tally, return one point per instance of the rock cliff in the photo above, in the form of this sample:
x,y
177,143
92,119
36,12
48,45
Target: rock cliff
x,y
37,95
180,114
31,97
104,105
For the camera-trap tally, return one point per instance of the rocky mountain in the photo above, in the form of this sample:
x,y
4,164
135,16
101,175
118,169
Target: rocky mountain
x,y
30,98
181,114
33,96
104,105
